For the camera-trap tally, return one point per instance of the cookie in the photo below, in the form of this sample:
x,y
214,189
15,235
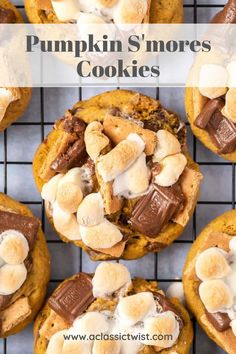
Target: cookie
x,y
209,280
153,11
107,303
211,110
116,176
24,266
13,101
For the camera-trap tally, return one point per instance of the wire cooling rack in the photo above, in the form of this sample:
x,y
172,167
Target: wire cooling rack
x,y
17,147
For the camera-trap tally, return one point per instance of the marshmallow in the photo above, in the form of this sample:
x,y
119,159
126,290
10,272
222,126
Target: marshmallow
x,y
106,347
105,3
75,346
92,323
66,223
233,326
103,235
213,81
120,158
134,181
229,110
176,290
167,144
66,10
130,347
14,247
230,280
212,264
109,278
74,176
90,211
88,19
69,196
134,308
215,295
49,189
95,140
171,169
12,278
6,97
56,342
164,325
131,14
231,68
232,244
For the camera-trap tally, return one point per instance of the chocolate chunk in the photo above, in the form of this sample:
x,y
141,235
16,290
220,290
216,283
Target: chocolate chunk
x,y
72,298
154,210
220,321
4,301
74,157
7,15
74,125
209,109
227,15
166,305
222,132
27,225
115,111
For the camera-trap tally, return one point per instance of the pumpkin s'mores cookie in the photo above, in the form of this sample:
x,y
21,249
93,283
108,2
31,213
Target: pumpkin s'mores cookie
x,y
109,306
103,11
209,280
13,101
116,176
211,110
24,266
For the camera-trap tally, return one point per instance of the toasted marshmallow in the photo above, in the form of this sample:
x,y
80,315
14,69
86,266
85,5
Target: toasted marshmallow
x,y
92,323
66,223
109,278
231,68
49,189
14,247
232,244
233,326
213,81
164,324
171,169
215,295
106,347
212,264
75,346
66,10
229,110
134,181
130,347
95,140
56,342
120,158
132,14
167,144
105,3
176,290
6,97
12,277
103,235
75,176
90,211
135,308
89,19
69,196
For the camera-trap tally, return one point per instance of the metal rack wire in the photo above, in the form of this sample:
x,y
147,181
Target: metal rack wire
x,y
43,125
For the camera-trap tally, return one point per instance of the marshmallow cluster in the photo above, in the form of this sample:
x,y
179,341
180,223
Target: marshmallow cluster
x,y
7,96
215,81
14,250
216,269
134,314
100,11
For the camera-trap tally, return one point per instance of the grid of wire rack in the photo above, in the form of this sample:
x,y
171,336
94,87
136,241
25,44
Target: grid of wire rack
x,y
17,146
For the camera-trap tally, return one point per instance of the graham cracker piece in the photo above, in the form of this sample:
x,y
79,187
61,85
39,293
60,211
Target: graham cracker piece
x,y
53,324
14,314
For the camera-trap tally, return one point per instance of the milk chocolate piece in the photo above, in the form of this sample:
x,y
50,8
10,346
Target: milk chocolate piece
x,y
166,305
209,109
74,157
222,132
153,211
7,15
220,321
74,125
72,298
227,15
27,225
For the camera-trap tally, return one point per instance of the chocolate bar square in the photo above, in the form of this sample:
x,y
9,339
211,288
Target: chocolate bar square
x,y
72,298
154,210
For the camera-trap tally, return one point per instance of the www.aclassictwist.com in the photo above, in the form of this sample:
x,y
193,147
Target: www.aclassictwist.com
x,y
118,337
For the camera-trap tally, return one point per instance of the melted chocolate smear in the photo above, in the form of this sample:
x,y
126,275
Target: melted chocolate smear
x,y
220,321
166,305
74,125
7,15
4,301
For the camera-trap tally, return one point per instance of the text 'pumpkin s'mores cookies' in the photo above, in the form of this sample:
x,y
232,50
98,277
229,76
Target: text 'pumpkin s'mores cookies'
x,y
110,304
104,11
116,176
24,266
209,280
13,101
211,107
